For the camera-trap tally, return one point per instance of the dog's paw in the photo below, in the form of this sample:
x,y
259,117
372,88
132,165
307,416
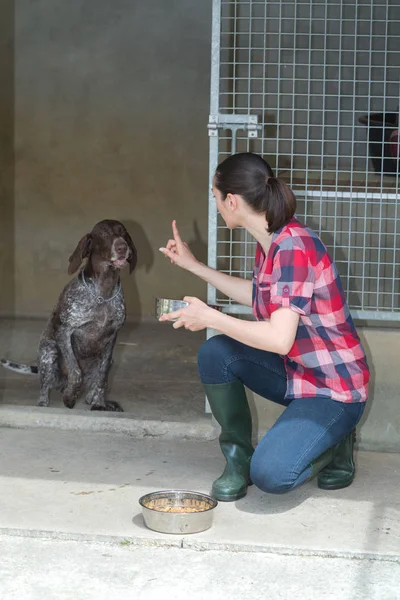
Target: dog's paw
x,y
69,402
98,407
114,406
42,403
109,406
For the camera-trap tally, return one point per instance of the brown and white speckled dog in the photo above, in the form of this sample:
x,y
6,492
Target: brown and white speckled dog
x,y
75,350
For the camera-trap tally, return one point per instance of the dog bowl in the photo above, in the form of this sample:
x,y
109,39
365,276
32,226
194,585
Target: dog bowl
x,y
167,305
177,511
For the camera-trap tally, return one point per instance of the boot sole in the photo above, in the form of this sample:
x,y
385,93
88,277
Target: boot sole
x,y
230,498
333,486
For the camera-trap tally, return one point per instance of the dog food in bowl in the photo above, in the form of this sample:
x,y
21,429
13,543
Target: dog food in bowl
x,y
177,511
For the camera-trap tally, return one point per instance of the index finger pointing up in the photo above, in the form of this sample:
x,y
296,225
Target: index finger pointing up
x,y
175,231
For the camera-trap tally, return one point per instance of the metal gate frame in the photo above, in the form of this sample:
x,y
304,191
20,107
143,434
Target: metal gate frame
x,y
249,124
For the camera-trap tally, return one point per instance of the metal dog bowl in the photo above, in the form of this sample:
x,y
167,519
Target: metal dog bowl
x,y
177,511
167,305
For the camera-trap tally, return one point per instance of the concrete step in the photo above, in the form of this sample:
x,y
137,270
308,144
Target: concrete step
x,y
22,417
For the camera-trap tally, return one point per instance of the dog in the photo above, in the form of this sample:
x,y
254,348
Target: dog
x,y
75,349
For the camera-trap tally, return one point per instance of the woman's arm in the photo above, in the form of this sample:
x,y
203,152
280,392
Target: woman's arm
x,y
178,252
276,335
236,288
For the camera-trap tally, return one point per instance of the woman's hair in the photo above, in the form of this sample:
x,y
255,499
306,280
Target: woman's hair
x,y
251,177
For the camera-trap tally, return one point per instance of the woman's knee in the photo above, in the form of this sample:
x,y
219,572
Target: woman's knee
x,y
271,475
213,357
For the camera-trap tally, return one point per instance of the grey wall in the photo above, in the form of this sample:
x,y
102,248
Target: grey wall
x,y
7,266
111,110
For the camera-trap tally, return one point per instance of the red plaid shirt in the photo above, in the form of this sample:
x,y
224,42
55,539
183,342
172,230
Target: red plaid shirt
x,y
327,358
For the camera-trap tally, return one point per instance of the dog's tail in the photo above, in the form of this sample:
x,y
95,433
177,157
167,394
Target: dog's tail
x,y
18,368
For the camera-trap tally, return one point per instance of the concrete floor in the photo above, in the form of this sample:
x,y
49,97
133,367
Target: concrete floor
x,y
86,486
71,526
98,571
154,374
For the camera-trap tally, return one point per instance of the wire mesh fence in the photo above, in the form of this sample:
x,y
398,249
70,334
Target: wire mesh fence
x,y
322,78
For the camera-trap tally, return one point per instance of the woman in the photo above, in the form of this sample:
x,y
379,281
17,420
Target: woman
x,y
302,352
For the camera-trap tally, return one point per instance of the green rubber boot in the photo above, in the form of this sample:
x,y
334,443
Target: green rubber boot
x,y
339,473
230,408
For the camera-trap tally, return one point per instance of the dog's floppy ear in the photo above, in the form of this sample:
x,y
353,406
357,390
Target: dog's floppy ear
x,y
132,260
81,251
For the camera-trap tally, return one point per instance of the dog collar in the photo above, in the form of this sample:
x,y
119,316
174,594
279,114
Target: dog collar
x,y
100,299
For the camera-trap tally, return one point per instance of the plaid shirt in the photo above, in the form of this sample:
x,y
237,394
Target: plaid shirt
x,y
327,358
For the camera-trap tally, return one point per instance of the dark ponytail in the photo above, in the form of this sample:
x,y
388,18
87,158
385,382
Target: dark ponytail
x,y
279,203
251,177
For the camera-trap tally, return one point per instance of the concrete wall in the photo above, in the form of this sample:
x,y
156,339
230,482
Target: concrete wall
x,y
379,428
111,110
7,265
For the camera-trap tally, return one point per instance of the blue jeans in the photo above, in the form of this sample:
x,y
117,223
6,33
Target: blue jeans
x,y
305,429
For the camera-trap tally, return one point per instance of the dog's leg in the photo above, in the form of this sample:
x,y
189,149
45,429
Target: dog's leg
x,y
73,385
97,381
49,370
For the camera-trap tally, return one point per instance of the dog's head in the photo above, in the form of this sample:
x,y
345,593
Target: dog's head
x,y
108,245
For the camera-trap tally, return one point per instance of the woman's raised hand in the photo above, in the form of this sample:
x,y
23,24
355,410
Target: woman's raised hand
x,y
178,251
